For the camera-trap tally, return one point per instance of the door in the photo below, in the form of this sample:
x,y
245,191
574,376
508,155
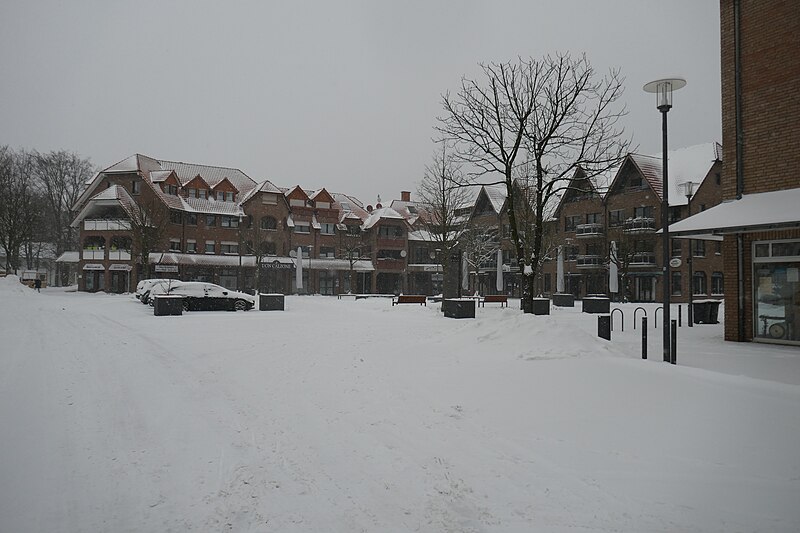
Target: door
x,y
644,287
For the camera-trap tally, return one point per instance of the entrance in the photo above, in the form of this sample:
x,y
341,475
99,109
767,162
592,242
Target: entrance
x,y
119,281
644,289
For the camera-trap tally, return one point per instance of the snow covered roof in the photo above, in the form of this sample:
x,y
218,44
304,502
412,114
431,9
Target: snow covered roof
x,y
497,196
69,257
753,212
381,213
114,195
685,164
213,175
421,235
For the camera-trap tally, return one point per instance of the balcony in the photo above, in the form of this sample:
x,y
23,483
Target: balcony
x,y
106,225
643,259
639,225
119,255
94,254
593,229
589,261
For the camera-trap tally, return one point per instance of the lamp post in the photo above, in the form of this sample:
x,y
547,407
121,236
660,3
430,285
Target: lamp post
x,y
663,90
688,189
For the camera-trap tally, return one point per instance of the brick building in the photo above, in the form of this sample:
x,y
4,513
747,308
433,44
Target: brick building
x,y
759,218
624,206
214,224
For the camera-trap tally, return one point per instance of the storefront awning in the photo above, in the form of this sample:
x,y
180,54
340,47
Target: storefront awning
x,y
93,266
126,268
753,212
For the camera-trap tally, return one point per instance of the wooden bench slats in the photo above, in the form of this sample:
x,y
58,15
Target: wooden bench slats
x,y
411,299
502,299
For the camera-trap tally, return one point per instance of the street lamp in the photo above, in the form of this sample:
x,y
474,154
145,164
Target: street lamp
x,y
663,90
688,189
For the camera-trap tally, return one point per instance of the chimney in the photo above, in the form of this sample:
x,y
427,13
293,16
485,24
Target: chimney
x,y
405,196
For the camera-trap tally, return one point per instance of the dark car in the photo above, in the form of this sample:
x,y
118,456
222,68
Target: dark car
x,y
200,296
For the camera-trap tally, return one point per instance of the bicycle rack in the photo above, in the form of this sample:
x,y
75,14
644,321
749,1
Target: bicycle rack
x,y
634,315
621,318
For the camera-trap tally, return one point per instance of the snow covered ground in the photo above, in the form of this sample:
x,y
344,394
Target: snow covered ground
x,y
341,415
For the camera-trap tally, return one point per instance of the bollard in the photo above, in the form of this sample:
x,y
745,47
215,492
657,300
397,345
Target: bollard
x,y
679,316
674,342
644,337
604,327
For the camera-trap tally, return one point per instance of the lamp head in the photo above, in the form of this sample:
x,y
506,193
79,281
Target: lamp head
x,y
663,90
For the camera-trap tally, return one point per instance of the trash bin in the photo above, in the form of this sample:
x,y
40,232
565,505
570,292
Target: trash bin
x,y
167,304
459,307
705,311
604,327
564,300
270,302
541,306
596,305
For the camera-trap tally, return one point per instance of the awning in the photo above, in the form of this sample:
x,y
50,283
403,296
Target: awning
x,y
126,268
753,212
69,257
93,266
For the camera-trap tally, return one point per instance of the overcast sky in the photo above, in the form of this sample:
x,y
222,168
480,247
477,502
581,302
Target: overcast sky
x,y
342,95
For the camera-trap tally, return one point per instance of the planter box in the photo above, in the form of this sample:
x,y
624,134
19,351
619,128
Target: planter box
x,y
165,305
597,305
564,300
270,302
541,306
459,307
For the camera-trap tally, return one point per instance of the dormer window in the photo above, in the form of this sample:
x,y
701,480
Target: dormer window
x,y
171,189
228,197
136,187
202,193
192,192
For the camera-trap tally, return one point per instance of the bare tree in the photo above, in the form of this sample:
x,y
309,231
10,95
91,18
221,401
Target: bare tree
x,y
257,242
61,176
443,203
148,220
19,207
351,244
553,113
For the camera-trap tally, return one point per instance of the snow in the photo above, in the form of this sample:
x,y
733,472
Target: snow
x,y
381,418
775,208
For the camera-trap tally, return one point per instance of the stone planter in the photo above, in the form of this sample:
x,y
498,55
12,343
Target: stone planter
x,y
597,305
165,305
564,300
271,302
459,307
541,306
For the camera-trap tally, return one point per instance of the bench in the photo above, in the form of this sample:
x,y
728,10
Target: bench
x,y
410,299
501,299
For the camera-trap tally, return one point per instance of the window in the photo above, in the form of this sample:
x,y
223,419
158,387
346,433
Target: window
x,y
718,178
209,247
593,218
306,251
269,223
353,230
229,222
228,248
571,222
229,197
202,193
176,217
191,246
593,249
191,219
297,203
718,248
698,248
211,220
717,283
389,254
635,181
616,217
269,199
326,251
643,212
323,205
302,227
192,192
674,214
170,189
675,284
327,228
136,187
390,232
174,245
571,253
699,283
677,247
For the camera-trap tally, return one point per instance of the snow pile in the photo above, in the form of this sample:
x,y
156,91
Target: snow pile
x,y
11,285
344,415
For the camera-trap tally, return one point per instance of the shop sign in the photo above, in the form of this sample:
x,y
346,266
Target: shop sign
x,y
277,265
167,268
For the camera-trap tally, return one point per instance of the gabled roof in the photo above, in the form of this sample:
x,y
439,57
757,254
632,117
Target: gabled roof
x,y
685,164
212,175
114,195
134,163
223,182
195,181
296,191
159,176
321,195
382,213
265,186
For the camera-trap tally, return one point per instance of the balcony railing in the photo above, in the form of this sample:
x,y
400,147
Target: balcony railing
x,y
119,255
94,254
593,229
589,261
643,259
106,225
640,225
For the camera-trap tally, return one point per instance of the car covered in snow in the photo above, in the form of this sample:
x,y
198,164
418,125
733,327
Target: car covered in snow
x,y
144,287
201,296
